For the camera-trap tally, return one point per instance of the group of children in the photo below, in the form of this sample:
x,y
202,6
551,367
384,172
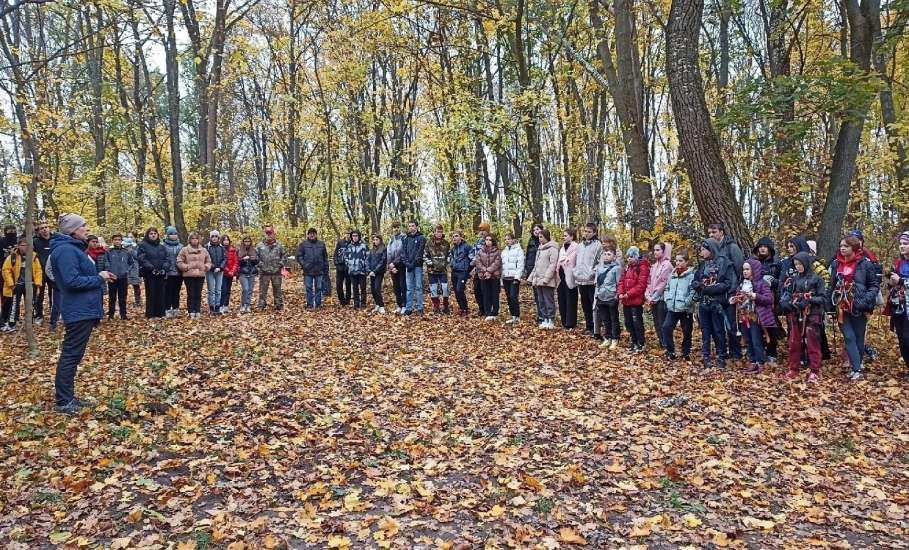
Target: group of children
x,y
759,300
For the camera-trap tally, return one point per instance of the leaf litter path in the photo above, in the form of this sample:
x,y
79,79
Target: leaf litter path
x,y
343,429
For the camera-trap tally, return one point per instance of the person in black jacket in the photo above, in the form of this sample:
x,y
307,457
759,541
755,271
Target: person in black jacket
x,y
802,299
713,281
42,245
730,250
530,257
413,253
312,256
459,258
375,264
854,289
342,278
153,268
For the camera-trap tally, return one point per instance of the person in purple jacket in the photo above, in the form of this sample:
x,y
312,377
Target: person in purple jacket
x,y
754,306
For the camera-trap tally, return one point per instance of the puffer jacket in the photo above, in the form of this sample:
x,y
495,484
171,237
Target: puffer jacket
x,y
489,263
377,261
232,264
865,282
12,270
533,244
763,299
355,258
659,275
545,269
679,295
81,289
218,256
797,287
271,258
194,261
437,255
769,263
588,256
714,278
152,258
172,247
634,282
567,259
414,250
512,262
607,282
460,257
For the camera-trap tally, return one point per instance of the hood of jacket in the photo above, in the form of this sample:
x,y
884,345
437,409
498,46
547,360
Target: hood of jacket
x,y
757,268
768,242
800,243
714,248
804,258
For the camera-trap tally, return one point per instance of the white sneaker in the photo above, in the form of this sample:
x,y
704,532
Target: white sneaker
x,y
490,318
37,321
605,343
550,324
380,311
543,324
397,310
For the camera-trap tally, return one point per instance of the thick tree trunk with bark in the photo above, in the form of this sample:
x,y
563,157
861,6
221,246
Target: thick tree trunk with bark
x,y
861,18
698,144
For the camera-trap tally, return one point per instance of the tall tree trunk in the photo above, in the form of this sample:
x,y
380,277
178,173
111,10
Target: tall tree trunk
x,y
862,19
698,144
173,116
531,131
627,88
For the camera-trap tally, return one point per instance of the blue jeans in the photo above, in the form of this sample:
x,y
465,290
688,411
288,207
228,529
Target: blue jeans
x,y
313,284
754,337
247,283
854,337
213,282
415,289
713,326
437,280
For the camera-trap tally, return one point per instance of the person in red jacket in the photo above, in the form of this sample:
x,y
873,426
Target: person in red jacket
x,y
231,267
631,294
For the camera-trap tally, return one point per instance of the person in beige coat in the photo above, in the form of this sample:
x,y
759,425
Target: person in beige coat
x,y
193,262
544,278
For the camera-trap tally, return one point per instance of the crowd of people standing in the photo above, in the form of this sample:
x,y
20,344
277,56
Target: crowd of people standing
x,y
744,306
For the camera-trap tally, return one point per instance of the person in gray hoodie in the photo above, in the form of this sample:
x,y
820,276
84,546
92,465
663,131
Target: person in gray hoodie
x,y
120,262
395,252
679,299
606,298
588,256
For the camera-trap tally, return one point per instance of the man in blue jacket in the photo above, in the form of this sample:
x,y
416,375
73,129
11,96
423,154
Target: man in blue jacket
x,y
80,288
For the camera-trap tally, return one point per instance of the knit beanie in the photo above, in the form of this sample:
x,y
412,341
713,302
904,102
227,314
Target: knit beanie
x,y
171,230
634,252
214,233
904,237
812,246
69,223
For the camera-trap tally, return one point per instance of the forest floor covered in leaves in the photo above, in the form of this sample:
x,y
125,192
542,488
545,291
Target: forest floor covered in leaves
x,y
339,429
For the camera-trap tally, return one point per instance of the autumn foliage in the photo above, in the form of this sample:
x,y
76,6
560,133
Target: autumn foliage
x,y
341,429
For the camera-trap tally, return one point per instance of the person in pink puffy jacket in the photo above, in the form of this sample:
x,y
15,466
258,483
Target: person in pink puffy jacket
x,y
660,272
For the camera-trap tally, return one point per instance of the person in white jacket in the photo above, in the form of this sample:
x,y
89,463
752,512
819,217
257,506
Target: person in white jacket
x,y
512,270
588,258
